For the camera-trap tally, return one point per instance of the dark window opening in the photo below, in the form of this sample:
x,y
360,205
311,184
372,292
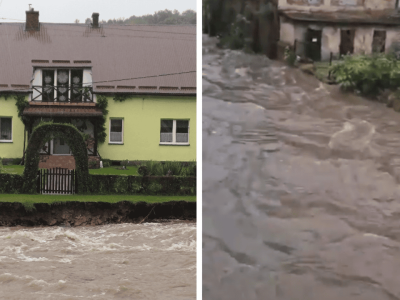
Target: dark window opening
x,y
6,129
378,42
347,41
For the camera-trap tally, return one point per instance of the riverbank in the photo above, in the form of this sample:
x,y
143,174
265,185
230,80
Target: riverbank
x,y
74,213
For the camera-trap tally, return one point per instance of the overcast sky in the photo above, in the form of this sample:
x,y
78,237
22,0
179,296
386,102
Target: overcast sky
x,y
68,11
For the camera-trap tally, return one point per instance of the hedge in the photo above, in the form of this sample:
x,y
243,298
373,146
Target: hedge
x,y
145,185
115,184
10,184
74,140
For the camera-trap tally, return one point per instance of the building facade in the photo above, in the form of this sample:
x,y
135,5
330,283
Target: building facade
x,y
145,74
319,29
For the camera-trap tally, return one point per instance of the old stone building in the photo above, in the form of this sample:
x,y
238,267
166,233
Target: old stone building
x,y
318,29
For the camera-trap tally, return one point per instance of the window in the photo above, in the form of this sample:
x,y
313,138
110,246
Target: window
x,y
116,131
174,132
62,85
5,129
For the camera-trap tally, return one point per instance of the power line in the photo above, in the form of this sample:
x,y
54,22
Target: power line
x,y
115,80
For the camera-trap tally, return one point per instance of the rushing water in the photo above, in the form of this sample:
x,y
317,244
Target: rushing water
x,y
125,261
300,185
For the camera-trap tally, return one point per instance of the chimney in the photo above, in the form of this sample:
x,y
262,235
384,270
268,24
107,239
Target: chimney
x,y
95,22
32,20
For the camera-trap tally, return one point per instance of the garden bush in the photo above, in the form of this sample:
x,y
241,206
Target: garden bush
x,y
10,183
369,75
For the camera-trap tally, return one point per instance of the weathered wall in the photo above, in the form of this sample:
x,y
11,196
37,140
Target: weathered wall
x,y
141,136
12,149
331,37
287,31
330,42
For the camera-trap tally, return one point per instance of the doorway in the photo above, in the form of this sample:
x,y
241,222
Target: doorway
x,y
347,41
313,44
60,147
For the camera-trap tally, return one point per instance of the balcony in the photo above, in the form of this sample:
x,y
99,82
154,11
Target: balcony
x,y
62,93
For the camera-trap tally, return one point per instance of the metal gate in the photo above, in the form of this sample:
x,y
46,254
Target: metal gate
x,y
56,181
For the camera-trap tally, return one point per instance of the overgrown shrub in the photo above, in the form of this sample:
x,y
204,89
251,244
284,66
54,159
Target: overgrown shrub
x,y
290,56
73,139
10,183
171,168
368,74
106,163
144,185
235,38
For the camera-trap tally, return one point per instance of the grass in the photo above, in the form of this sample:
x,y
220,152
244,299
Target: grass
x,y
132,170
29,200
322,69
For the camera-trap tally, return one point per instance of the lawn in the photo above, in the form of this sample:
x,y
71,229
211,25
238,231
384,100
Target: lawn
x,y
131,170
29,200
322,70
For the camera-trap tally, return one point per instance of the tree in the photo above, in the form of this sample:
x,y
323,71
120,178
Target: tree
x,y
76,21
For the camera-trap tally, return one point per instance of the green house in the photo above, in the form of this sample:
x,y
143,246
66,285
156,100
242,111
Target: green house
x,y
145,75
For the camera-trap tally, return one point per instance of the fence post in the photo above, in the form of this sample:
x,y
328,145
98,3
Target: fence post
x,y
76,182
330,59
38,182
294,47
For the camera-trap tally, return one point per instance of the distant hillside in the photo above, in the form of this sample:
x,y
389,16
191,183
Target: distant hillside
x,y
160,17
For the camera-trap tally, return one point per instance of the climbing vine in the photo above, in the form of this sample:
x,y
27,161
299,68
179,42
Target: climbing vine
x,y
121,97
21,103
100,123
73,138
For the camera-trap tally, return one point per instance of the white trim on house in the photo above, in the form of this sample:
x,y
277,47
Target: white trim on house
x,y
38,80
12,129
174,142
122,132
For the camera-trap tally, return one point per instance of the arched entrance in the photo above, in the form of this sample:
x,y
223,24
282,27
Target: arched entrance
x,y
73,138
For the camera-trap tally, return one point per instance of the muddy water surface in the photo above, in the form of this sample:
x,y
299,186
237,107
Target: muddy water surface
x,y
124,261
301,196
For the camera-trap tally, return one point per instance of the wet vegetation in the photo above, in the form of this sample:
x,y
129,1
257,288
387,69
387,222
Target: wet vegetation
x,y
162,17
249,25
368,75
29,200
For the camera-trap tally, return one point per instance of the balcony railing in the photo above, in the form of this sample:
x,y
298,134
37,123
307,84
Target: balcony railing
x,y
63,93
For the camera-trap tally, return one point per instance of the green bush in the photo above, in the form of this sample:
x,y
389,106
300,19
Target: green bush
x,y
106,163
290,57
368,74
10,183
74,140
170,168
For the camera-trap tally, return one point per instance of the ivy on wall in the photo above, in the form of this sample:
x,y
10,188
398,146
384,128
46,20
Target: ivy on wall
x,y
100,123
121,97
21,103
73,138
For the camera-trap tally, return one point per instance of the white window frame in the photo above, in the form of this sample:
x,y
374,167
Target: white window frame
x,y
12,130
174,133
122,133
55,80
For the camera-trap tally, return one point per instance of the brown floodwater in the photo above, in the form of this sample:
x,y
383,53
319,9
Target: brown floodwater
x,y
121,261
301,195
